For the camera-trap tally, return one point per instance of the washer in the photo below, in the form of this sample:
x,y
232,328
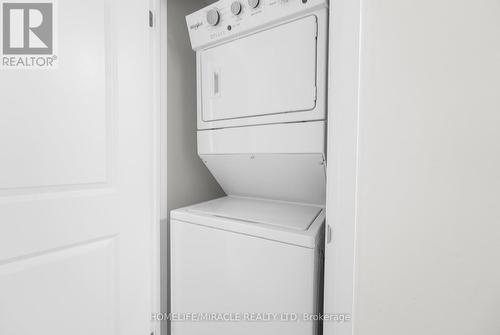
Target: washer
x,y
248,259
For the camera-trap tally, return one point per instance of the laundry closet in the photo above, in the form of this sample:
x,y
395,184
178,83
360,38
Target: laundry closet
x,y
257,112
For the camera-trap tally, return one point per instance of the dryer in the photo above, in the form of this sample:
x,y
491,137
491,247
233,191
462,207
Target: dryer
x,y
262,93
264,65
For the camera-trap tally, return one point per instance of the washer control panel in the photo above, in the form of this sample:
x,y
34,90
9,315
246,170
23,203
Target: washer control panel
x,y
228,19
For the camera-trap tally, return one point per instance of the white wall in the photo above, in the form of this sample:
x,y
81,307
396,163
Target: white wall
x,y
188,180
426,208
185,180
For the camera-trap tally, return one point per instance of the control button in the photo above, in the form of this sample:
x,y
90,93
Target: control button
x,y
213,17
253,3
236,8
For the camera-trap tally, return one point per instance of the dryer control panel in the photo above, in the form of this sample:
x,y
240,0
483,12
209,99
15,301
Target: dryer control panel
x,y
227,19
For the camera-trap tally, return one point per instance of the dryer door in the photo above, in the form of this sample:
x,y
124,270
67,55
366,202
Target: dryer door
x,y
271,72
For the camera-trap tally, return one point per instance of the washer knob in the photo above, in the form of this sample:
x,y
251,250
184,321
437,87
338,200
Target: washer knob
x,y
253,3
213,17
236,8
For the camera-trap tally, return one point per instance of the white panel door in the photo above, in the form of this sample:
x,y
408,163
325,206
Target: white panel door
x,y
76,170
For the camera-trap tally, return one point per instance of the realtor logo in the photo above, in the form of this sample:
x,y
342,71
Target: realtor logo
x,y
28,38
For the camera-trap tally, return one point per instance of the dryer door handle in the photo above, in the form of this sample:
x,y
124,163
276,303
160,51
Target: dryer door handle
x,y
216,83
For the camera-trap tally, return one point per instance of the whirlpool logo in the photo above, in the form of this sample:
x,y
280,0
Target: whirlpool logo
x,y
196,25
29,39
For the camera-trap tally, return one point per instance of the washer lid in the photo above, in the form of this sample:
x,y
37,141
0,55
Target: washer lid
x,y
275,213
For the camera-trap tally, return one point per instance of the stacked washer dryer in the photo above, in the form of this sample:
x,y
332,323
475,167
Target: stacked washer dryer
x,y
253,260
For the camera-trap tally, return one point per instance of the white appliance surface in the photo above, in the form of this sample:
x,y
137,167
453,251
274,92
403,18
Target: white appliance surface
x,y
268,72
264,65
288,138
285,222
289,177
282,214
276,161
259,250
267,13
238,276
261,96
220,266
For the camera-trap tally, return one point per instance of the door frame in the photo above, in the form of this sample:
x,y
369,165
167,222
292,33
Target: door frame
x,y
343,107
341,207
156,72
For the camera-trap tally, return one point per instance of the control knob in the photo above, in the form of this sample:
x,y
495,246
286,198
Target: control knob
x,y
213,17
236,8
253,3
